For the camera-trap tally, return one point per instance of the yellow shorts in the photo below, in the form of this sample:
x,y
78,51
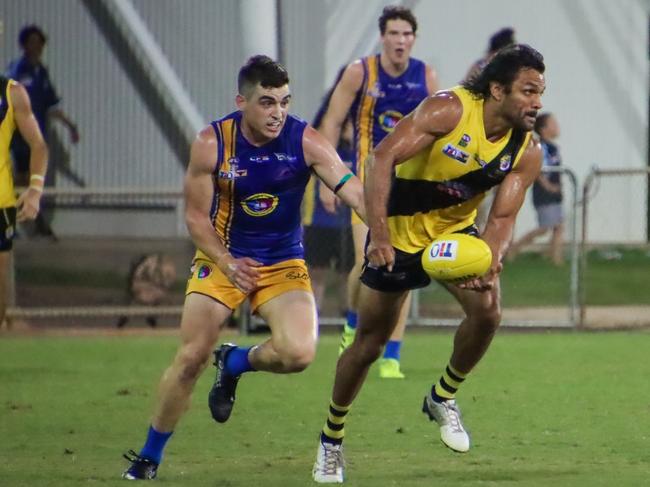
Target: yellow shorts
x,y
276,279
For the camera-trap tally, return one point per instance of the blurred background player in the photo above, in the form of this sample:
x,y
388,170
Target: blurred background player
x,y
244,218
327,236
377,91
547,193
16,113
30,71
500,39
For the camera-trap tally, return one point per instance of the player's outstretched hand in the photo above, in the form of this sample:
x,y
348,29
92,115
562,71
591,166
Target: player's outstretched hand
x,y
484,283
241,272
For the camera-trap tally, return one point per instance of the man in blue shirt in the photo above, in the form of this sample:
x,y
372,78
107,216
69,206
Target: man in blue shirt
x,y
29,71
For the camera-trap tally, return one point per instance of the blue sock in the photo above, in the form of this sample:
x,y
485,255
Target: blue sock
x,y
153,448
392,349
237,361
351,319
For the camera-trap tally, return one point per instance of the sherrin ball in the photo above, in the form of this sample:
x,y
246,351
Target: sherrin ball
x,y
456,257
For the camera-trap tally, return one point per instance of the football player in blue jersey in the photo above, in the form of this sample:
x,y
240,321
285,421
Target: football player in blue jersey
x,y
243,190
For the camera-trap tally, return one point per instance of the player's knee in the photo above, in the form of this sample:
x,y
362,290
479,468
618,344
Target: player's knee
x,y
297,359
368,348
487,321
191,362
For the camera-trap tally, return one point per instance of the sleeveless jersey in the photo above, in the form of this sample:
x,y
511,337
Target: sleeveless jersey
x,y
7,128
438,190
258,192
382,101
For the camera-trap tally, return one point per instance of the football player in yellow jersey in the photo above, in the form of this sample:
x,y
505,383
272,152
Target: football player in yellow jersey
x,y
453,147
377,91
16,112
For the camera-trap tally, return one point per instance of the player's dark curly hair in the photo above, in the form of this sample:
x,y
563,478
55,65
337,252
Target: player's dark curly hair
x,y
392,12
27,31
503,69
263,70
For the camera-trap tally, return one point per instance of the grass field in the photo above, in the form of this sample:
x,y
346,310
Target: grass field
x,y
550,408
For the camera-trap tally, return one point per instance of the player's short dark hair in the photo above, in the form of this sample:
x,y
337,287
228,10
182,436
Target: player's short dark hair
x,y
501,38
263,70
503,69
29,30
542,121
392,12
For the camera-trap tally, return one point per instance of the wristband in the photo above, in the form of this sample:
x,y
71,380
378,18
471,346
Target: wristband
x,y
37,177
343,180
37,188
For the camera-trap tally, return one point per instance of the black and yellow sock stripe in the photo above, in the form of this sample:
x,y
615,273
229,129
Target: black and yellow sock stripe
x,y
448,385
333,431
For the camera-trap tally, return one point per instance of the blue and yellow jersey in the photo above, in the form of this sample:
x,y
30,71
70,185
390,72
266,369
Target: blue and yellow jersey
x,y
314,213
439,189
7,128
258,192
383,101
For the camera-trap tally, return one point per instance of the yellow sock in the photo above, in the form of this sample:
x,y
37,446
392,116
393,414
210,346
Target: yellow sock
x,y
448,385
333,431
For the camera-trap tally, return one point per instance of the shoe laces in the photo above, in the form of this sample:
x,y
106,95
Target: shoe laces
x,y
453,415
332,459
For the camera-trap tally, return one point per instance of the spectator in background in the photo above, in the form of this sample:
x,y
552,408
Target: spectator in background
x,y
500,39
547,193
33,75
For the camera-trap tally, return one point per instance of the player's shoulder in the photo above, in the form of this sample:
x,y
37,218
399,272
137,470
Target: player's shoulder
x,y
353,73
440,113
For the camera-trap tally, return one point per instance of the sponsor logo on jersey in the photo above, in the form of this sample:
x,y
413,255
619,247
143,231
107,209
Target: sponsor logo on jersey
x,y
480,161
260,204
284,157
464,140
444,250
455,153
389,119
413,86
259,158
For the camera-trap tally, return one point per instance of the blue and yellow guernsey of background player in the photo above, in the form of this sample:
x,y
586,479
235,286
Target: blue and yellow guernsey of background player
x,y
243,190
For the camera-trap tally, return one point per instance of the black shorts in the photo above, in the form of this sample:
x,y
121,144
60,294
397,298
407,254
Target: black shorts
x,y
7,228
407,270
325,246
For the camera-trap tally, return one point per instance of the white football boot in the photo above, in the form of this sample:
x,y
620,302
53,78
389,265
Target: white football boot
x,y
447,415
329,465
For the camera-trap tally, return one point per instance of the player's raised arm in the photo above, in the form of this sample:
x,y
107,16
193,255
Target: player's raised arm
x,y
333,173
28,203
341,102
199,194
433,118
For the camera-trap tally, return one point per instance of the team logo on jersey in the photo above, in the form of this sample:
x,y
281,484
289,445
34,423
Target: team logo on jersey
x,y
259,158
204,271
444,250
505,162
260,204
389,119
455,153
464,140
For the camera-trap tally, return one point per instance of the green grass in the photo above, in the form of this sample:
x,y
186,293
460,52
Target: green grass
x,y
555,408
